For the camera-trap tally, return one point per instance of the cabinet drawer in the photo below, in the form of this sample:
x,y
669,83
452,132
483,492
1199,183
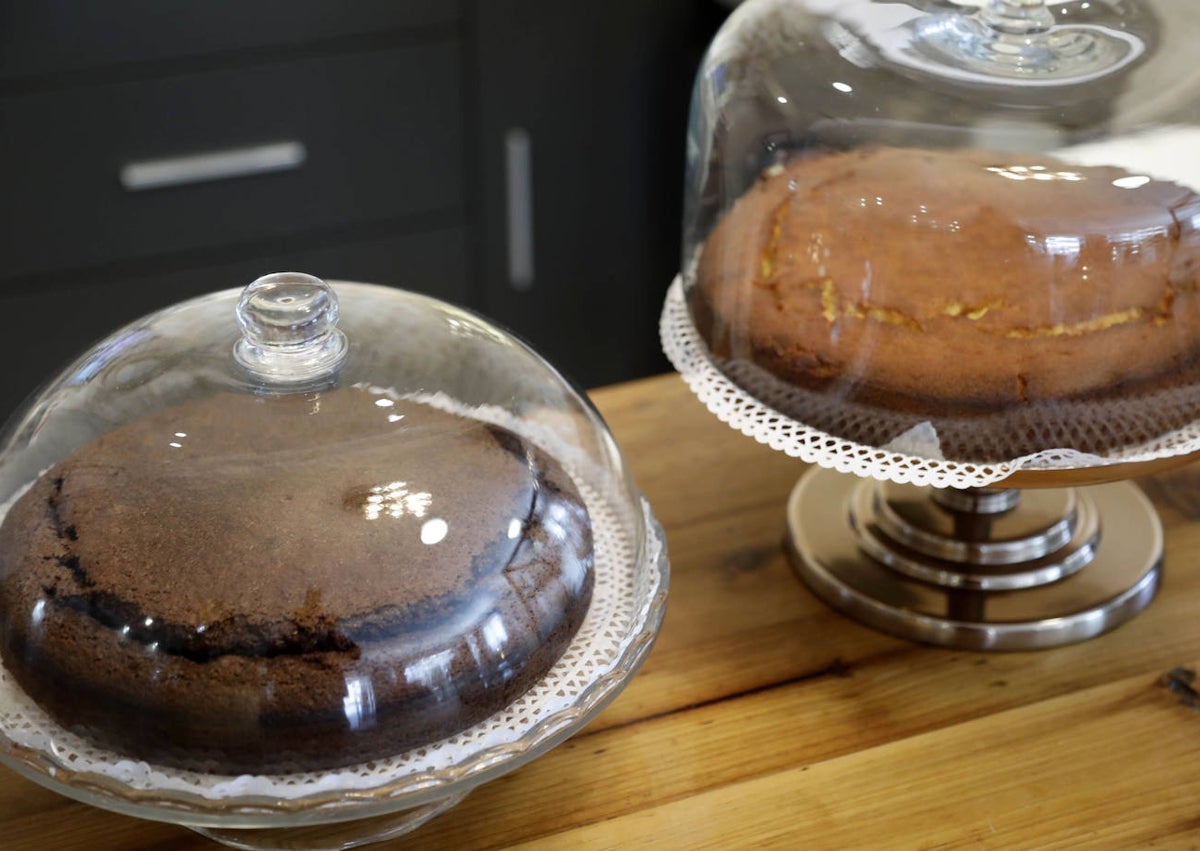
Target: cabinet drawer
x,y
57,325
51,36
380,133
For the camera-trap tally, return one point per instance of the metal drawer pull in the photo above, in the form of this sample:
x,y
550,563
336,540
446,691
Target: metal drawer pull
x,y
518,172
216,165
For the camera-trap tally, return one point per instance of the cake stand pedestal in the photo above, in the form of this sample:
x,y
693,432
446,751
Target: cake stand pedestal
x,y
337,836
977,568
1035,552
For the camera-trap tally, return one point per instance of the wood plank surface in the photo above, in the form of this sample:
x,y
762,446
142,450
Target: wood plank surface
x,y
762,718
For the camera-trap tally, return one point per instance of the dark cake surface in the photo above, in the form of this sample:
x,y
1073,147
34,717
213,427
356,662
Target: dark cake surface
x,y
262,584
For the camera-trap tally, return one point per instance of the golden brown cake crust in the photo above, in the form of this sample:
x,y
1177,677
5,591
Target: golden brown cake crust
x,y
954,282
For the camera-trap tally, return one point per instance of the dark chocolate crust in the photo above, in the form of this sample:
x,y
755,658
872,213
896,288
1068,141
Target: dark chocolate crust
x,y
244,584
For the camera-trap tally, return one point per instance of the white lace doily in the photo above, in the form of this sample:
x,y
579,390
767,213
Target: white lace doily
x,y
627,605
909,458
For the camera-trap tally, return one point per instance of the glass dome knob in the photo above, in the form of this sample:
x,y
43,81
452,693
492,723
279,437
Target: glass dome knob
x,y
289,330
1021,40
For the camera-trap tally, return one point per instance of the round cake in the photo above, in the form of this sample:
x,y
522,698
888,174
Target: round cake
x,y
953,284
252,584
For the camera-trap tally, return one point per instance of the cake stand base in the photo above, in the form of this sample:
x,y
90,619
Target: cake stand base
x,y
337,836
979,569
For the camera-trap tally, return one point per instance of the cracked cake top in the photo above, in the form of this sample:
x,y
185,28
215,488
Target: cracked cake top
x,y
973,278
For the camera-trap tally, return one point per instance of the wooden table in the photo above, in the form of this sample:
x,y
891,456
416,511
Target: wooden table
x,y
763,718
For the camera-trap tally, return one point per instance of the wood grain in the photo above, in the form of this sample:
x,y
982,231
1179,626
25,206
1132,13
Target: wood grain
x,y
762,718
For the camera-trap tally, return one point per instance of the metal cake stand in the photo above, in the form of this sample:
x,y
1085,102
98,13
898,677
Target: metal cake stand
x,y
1007,556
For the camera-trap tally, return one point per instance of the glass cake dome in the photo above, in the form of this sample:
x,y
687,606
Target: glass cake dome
x,y
311,553
962,229
952,247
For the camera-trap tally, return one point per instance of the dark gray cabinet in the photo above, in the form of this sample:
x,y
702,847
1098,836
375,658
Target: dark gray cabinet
x,y
601,92
518,157
63,152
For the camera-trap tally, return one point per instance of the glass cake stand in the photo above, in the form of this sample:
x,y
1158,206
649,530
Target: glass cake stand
x,y
1035,552
427,352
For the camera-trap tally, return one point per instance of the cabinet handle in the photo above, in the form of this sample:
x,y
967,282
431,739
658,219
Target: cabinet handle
x,y
518,172
214,165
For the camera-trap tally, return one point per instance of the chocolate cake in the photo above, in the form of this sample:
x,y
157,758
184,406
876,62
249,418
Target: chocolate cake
x,y
247,584
953,285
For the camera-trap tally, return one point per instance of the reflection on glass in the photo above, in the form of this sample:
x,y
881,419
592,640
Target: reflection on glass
x,y
395,500
553,522
1034,172
434,531
359,703
1133,181
495,634
1063,246
432,672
